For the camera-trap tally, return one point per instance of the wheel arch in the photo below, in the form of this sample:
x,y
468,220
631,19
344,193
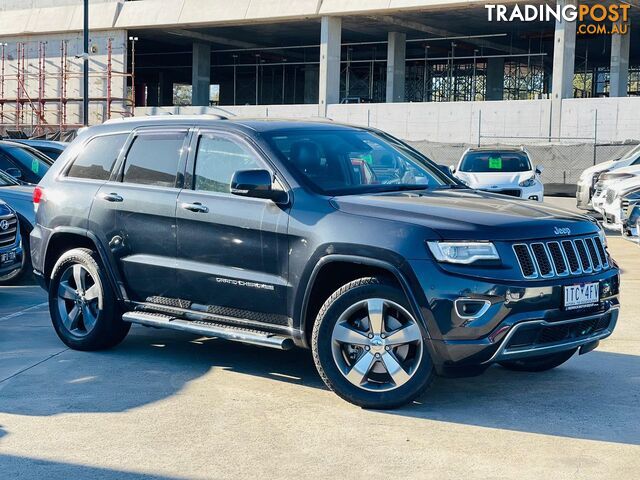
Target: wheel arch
x,y
315,293
63,239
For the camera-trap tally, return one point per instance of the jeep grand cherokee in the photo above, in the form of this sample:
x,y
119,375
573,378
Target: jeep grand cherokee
x,y
274,233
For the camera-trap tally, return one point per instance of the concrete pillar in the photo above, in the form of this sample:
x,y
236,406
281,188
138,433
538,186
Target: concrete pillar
x,y
165,83
200,74
396,60
311,75
330,43
564,59
619,79
495,79
152,94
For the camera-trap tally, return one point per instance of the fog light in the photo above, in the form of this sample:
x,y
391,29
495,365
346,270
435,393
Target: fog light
x,y
533,197
471,308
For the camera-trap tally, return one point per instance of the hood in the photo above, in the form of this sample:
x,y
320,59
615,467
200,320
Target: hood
x,y
18,192
599,168
491,179
468,214
625,186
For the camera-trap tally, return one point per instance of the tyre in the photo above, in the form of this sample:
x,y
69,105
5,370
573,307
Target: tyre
x,y
83,308
368,348
539,364
15,276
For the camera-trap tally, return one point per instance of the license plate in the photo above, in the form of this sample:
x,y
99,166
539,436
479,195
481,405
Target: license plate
x,y
581,296
8,257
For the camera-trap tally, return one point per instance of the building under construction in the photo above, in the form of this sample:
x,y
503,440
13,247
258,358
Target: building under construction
x,y
149,53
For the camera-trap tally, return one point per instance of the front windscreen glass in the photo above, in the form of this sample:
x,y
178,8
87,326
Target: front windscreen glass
x,y
488,162
345,162
6,180
32,166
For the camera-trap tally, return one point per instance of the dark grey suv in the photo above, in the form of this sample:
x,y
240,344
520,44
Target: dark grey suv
x,y
319,235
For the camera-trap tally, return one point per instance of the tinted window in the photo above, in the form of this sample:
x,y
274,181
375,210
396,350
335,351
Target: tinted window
x,y
97,158
50,152
153,159
485,162
32,166
217,160
343,162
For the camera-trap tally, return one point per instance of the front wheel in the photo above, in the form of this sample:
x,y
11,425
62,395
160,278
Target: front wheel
x,y
84,311
538,364
368,348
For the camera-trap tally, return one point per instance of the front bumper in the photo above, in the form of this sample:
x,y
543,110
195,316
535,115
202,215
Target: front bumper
x,y
5,268
462,343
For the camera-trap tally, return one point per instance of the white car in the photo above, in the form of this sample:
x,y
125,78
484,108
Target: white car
x,y
589,178
617,198
503,170
605,190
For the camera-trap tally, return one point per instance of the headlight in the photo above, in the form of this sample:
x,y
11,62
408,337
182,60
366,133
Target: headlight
x,y
529,182
463,252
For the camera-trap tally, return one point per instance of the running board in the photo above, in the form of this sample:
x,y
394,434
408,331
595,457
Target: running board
x,y
210,329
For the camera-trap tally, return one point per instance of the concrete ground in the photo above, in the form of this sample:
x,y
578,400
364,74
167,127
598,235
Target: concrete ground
x,y
169,405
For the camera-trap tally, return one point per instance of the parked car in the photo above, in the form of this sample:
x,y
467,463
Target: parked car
x,y
631,225
20,198
51,148
264,232
591,176
507,171
611,179
616,202
22,162
10,242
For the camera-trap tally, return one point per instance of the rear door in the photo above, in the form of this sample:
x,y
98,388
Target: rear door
x,y
232,251
139,203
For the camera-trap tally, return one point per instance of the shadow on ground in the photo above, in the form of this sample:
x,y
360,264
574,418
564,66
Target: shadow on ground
x,y
595,397
24,467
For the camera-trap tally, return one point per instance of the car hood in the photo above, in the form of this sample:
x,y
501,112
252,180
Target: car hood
x,y
492,180
20,197
468,214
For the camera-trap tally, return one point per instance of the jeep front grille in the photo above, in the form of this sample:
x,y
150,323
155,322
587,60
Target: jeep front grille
x,y
8,235
611,195
561,258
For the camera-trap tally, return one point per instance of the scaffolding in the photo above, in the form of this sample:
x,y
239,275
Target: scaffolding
x,y
42,113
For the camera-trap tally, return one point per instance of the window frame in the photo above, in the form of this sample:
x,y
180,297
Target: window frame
x,y
190,171
64,174
117,175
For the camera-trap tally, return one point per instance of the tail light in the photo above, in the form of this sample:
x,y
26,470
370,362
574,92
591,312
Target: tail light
x,y
38,196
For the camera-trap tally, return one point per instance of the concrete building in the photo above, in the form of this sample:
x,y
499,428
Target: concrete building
x,y
423,69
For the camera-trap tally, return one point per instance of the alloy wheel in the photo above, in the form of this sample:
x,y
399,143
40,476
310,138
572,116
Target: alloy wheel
x,y
79,296
377,345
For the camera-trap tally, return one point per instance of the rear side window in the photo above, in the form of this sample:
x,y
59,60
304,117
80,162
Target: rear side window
x,y
218,158
153,159
97,158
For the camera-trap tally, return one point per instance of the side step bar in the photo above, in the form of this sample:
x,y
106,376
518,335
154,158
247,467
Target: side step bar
x,y
210,329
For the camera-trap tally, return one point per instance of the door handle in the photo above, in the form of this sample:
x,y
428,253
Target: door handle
x,y
112,197
196,207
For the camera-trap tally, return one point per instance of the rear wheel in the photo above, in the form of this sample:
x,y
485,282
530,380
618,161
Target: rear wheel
x,y
538,364
368,347
83,308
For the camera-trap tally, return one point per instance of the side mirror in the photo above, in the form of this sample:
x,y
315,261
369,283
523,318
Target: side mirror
x,y
452,168
444,168
14,172
539,169
256,184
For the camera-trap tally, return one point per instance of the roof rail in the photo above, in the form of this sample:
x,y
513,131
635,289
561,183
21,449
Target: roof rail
x,y
162,115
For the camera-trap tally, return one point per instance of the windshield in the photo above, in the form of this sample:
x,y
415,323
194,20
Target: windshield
x,y
495,162
346,162
31,165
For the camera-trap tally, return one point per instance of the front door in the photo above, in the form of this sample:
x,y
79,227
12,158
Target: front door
x,y
232,251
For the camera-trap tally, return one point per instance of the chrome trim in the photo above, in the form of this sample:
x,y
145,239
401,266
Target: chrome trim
x,y
534,263
481,312
567,272
580,257
535,259
503,354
